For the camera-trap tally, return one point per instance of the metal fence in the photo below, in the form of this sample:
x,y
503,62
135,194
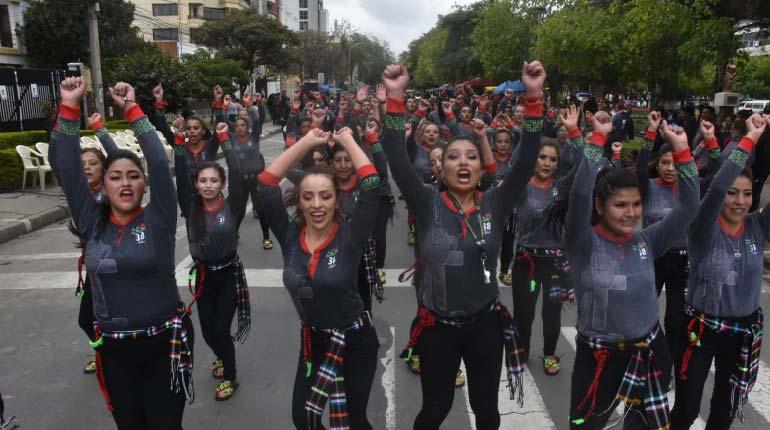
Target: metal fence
x,y
27,97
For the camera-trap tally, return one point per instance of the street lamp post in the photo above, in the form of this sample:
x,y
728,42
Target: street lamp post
x,y
350,70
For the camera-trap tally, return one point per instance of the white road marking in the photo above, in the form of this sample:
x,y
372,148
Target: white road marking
x,y
389,381
471,416
569,333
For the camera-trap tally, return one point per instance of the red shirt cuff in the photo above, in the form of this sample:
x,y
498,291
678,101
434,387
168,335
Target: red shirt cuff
x,y
356,112
134,113
248,104
711,144
395,106
96,125
574,133
420,113
223,136
217,105
482,110
533,109
682,157
616,155
598,139
372,138
179,140
70,113
366,170
491,168
747,144
650,135
294,110
268,178
450,116
160,105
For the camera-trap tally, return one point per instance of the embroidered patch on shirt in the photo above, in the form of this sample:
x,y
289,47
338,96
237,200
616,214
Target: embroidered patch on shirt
x,y
331,259
139,234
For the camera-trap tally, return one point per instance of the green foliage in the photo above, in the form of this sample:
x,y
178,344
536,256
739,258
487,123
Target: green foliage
x,y
248,37
55,32
11,169
753,77
501,40
370,55
212,72
147,67
27,138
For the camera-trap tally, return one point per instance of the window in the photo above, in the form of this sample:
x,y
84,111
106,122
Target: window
x,y
303,15
303,25
165,9
6,36
165,34
213,13
303,4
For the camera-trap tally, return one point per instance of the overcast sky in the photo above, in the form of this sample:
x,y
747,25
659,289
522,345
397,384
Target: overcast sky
x,y
396,21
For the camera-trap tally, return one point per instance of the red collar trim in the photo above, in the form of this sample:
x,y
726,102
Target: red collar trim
x,y
664,183
448,202
350,184
115,220
216,208
548,184
196,152
727,230
316,254
609,236
95,190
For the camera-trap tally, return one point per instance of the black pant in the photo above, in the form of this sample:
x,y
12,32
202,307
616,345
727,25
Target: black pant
x,y
756,187
525,302
506,246
723,350
252,187
671,269
216,309
360,365
609,383
381,228
480,345
86,312
137,375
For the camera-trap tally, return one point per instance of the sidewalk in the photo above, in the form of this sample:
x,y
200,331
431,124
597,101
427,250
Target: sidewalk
x,y
24,211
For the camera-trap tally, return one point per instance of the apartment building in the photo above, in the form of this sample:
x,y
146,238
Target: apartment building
x,y
11,49
303,14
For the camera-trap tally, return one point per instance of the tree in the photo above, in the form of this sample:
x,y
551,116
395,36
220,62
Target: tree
x,y
370,55
213,71
148,67
55,32
320,52
753,77
253,39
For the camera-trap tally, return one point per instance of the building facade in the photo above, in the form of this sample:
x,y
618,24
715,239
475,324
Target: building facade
x,y
755,40
170,22
300,15
11,49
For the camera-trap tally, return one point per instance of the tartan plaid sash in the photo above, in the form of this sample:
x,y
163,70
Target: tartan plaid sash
x,y
513,355
328,384
372,276
641,384
180,353
557,292
746,369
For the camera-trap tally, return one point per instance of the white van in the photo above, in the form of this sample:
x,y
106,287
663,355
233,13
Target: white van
x,y
756,106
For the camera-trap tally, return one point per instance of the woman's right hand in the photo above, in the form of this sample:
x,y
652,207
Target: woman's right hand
x,y
362,93
653,121
602,123
707,130
570,118
178,125
315,137
674,135
755,126
95,118
396,78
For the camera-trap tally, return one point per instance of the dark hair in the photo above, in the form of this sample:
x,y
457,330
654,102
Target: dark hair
x,y
291,198
747,173
740,125
471,139
246,120
551,142
609,180
99,154
206,131
198,232
335,150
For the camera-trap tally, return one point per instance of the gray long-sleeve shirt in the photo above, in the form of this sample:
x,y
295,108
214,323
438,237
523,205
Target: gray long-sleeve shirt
x,y
726,268
615,279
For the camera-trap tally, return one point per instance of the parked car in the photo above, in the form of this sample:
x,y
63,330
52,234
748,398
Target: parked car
x,y
583,97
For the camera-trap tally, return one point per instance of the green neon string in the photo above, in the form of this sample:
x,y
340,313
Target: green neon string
x,y
97,343
308,369
579,421
532,286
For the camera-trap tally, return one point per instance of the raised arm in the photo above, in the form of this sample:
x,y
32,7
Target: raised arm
x,y
235,197
712,202
409,182
573,150
281,166
378,155
159,119
163,196
515,181
367,204
662,235
642,161
254,118
100,131
66,138
577,226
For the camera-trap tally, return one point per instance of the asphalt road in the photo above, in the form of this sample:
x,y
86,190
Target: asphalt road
x,y
42,350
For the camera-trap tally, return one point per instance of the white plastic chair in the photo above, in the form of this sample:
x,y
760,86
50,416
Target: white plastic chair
x,y
42,148
32,164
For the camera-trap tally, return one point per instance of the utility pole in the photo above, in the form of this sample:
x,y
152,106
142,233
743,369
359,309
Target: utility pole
x,y
96,57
